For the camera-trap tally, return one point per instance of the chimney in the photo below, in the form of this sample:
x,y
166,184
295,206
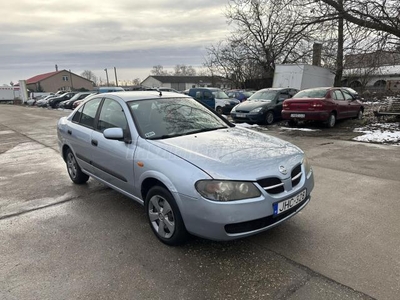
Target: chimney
x,y
56,68
317,52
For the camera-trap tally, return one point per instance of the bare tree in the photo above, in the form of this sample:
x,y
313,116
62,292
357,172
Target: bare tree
x,y
89,75
379,15
158,70
136,81
265,33
183,70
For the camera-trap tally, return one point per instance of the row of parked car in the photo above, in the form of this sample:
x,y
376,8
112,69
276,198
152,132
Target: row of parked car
x,y
326,104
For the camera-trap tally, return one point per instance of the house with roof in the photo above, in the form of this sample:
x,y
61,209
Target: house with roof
x,y
63,80
375,71
182,83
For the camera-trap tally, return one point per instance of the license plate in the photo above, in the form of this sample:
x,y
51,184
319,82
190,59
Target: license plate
x,y
283,206
241,115
298,115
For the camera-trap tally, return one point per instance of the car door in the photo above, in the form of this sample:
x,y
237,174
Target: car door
x,y
113,159
352,105
340,103
80,130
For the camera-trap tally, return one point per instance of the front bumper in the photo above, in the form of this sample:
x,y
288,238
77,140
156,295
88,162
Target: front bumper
x,y
223,221
227,108
248,117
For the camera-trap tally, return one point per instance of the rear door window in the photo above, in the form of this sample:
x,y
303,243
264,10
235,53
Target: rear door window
x,y
89,112
337,94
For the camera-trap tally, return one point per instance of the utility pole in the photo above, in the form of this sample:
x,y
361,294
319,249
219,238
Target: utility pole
x,y
115,72
70,75
107,76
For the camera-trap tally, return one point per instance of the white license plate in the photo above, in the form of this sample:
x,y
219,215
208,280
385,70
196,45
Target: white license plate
x,y
283,206
241,115
298,115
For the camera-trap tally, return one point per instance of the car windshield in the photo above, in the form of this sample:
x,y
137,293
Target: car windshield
x,y
220,94
248,94
263,95
171,117
312,93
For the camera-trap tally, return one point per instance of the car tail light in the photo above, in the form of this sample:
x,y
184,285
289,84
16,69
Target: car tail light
x,y
285,104
317,104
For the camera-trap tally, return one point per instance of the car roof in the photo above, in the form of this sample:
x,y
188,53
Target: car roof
x,y
276,89
144,95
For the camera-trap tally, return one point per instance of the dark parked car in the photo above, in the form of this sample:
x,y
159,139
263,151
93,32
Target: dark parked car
x,y
322,104
70,102
264,106
214,98
240,95
55,102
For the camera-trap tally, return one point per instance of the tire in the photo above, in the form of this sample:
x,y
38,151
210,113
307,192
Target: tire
x,y
269,117
164,217
359,115
219,110
331,121
292,123
74,171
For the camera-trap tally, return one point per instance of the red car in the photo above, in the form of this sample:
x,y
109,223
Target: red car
x,y
322,104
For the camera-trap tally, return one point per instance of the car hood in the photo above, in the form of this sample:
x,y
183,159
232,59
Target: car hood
x,y
234,153
251,104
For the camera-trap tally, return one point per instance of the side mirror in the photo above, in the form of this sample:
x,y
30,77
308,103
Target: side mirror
x,y
114,133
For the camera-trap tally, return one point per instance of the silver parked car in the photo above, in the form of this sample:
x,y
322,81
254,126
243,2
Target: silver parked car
x,y
192,170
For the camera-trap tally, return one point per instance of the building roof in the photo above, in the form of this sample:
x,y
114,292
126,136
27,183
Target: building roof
x,y
186,79
372,59
41,77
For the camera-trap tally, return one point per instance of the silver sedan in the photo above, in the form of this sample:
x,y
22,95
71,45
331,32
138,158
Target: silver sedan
x,y
194,172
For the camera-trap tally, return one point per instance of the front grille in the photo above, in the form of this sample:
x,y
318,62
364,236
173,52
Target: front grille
x,y
242,111
296,175
272,185
259,223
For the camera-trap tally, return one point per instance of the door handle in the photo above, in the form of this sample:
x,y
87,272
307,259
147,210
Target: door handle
x,y
94,143
69,132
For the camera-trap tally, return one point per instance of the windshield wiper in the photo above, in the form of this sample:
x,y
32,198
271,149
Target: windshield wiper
x,y
167,136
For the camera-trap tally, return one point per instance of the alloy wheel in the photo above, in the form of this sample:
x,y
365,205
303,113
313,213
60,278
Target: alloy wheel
x,y
161,216
71,165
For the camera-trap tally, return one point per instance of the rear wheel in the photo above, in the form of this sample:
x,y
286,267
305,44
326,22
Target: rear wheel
x,y
164,217
74,171
269,117
331,120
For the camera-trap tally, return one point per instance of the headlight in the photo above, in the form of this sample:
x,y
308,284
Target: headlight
x,y
224,190
234,108
307,165
256,110
226,102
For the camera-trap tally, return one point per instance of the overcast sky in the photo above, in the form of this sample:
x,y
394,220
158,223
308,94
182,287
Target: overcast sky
x,y
130,35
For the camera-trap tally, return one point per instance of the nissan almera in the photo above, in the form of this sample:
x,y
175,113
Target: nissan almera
x,y
193,171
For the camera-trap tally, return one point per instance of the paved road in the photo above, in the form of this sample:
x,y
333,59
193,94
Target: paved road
x,y
62,241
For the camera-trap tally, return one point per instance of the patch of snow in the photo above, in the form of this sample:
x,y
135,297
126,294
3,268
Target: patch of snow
x,y
379,133
300,129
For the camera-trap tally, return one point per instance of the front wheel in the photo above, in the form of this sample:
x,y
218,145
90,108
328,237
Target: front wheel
x,y
219,110
269,117
74,171
331,120
359,115
164,217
